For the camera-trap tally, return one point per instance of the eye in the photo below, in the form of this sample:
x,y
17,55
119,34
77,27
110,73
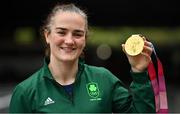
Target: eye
x,y
61,33
78,34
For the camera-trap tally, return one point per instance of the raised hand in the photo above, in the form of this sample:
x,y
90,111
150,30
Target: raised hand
x,y
140,62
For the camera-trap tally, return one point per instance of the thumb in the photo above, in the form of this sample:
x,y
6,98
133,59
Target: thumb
x,y
123,48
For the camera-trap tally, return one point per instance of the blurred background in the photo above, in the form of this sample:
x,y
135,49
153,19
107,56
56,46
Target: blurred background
x,y
111,23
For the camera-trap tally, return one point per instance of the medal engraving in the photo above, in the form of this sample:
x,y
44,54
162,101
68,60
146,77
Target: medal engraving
x,y
134,45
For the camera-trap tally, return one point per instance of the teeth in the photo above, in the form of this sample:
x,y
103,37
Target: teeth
x,y
67,49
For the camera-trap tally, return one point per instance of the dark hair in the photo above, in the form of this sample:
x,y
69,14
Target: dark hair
x,y
61,8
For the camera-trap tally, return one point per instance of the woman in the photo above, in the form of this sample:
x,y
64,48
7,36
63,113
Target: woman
x,y
66,84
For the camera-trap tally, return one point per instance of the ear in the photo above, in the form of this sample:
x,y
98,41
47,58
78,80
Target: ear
x,y
46,35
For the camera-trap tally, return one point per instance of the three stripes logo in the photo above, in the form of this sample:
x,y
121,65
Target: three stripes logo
x,y
49,101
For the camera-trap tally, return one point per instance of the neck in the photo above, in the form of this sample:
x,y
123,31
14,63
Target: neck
x,y
63,72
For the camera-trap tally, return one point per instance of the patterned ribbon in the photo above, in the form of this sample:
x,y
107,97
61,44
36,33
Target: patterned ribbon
x,y
155,70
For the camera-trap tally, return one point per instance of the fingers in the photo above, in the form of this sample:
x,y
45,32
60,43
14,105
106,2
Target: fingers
x,y
147,43
148,50
147,46
147,56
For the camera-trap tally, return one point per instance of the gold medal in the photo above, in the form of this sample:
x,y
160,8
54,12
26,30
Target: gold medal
x,y
134,45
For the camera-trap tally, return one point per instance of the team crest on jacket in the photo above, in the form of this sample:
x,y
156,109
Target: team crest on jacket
x,y
93,89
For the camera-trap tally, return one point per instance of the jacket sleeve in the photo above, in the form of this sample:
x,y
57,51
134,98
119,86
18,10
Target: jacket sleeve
x,y
139,98
19,101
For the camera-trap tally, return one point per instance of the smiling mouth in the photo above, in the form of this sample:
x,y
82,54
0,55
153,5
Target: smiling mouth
x,y
67,49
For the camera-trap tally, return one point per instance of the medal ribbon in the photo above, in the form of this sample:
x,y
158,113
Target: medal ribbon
x,y
158,84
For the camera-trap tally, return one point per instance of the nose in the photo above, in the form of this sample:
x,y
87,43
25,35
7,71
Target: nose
x,y
69,39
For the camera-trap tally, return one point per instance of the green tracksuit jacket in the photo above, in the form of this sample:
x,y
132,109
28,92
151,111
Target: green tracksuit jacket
x,y
96,90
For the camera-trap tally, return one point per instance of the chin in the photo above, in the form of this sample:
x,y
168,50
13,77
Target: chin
x,y
68,59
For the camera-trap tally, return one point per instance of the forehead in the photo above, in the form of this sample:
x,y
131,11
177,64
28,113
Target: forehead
x,y
68,19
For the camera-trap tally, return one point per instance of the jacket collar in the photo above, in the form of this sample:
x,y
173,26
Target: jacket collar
x,y
47,72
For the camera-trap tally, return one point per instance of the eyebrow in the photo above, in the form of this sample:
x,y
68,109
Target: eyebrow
x,y
57,28
76,30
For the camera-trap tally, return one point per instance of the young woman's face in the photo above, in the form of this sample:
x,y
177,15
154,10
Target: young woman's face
x,y
67,36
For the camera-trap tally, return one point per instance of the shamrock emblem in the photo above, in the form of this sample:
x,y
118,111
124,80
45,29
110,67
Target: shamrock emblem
x,y
92,87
